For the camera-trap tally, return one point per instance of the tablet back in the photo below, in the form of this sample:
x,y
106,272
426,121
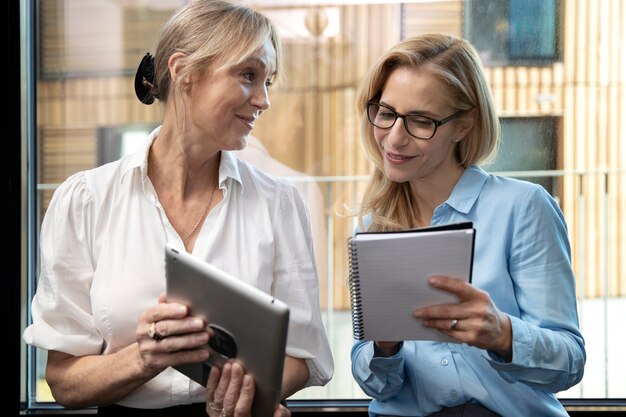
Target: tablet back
x,y
250,325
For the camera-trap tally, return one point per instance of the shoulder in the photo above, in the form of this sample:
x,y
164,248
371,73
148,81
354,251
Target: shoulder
x,y
515,189
111,176
72,189
505,196
256,180
523,199
85,187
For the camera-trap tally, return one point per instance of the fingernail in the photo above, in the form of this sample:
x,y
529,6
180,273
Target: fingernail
x,y
181,309
433,280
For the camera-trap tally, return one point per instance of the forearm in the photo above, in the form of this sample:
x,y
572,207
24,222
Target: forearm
x,y
551,360
85,381
295,376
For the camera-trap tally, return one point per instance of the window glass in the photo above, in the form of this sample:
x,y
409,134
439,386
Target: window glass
x,y
560,112
528,144
514,32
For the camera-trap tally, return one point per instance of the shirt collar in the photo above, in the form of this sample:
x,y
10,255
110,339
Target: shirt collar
x,y
139,160
467,189
229,168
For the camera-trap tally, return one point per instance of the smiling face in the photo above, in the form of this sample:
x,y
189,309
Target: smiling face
x,y
223,105
405,158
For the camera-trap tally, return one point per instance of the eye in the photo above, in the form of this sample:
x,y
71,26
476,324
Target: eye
x,y
385,114
419,121
249,76
269,84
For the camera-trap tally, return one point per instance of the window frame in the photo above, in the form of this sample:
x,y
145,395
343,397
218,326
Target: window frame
x,y
23,225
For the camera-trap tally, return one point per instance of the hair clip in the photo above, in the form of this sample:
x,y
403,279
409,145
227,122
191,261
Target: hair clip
x,y
144,79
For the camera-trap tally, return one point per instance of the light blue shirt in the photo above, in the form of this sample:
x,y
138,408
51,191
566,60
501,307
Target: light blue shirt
x,y
522,259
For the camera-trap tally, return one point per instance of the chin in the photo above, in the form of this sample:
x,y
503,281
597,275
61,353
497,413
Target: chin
x,y
397,176
237,146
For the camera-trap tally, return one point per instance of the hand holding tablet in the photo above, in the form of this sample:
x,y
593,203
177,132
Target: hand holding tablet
x,y
249,325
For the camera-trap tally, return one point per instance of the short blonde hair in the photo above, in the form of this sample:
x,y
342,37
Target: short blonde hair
x,y
456,64
209,31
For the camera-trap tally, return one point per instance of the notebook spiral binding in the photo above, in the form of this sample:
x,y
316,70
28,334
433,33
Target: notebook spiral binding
x,y
355,292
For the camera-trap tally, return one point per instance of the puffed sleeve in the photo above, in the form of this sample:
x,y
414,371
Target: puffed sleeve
x,y
61,307
296,283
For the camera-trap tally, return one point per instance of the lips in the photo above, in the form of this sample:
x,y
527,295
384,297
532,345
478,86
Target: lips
x,y
249,121
397,158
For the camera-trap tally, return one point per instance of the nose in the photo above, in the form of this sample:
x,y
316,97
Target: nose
x,y
260,98
398,136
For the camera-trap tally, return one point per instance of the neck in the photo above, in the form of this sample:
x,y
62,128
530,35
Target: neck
x,y
429,193
170,167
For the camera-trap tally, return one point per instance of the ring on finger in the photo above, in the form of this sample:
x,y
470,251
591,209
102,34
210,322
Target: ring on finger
x,y
453,324
152,332
225,414
216,406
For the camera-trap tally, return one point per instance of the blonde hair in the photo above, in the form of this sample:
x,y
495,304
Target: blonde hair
x,y
209,31
455,63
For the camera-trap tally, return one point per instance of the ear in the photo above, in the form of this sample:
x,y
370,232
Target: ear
x,y
465,124
175,64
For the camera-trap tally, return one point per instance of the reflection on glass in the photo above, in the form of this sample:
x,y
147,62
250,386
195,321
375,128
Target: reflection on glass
x,y
559,113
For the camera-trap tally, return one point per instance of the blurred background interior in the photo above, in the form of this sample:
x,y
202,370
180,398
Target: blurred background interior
x,y
557,71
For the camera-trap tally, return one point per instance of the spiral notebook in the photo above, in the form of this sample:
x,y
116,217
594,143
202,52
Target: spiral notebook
x,y
389,278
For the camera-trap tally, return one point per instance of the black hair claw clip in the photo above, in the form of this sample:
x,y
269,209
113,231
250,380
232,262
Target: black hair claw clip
x,y
144,79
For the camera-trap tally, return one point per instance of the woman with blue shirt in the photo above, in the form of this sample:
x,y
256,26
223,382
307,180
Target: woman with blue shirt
x,y
428,120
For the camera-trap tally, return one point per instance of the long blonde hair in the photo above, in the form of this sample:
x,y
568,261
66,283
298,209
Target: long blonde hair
x,y
455,63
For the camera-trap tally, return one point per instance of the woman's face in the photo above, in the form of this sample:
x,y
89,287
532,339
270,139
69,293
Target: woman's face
x,y
224,104
406,158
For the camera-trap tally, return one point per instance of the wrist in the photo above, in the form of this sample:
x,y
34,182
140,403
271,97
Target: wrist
x,y
505,351
386,349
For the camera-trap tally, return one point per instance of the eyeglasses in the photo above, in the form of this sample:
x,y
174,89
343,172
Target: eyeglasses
x,y
418,126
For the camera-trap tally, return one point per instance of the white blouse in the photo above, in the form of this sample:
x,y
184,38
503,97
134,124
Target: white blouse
x,y
102,263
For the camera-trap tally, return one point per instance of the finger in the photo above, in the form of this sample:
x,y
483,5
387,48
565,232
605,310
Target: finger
x,y
439,312
246,396
222,385
164,311
211,384
234,388
163,297
282,411
459,287
448,326
172,327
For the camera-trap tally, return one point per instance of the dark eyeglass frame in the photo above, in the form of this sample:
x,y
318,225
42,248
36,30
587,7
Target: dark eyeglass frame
x,y
436,122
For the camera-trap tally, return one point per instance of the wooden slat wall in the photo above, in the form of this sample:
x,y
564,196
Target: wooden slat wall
x,y
312,125
96,36
433,17
594,136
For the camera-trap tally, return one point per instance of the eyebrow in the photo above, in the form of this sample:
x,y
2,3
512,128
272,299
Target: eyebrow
x,y
424,113
255,61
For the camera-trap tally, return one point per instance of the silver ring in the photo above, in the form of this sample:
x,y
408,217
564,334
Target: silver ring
x,y
453,324
216,406
225,414
153,333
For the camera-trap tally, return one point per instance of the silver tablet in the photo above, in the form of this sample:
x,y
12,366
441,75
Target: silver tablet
x,y
250,325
